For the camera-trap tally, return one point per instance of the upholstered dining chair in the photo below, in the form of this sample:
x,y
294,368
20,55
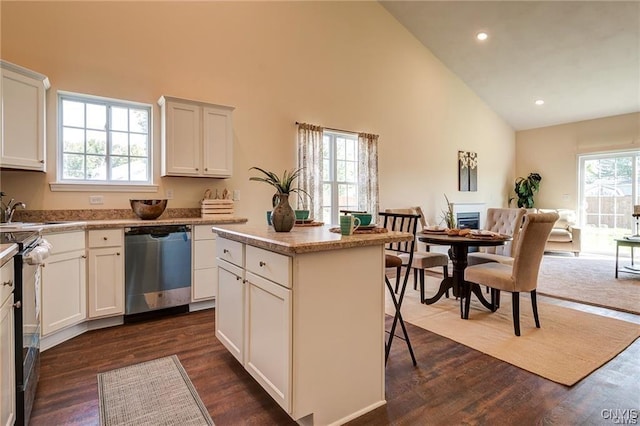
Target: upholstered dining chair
x,y
506,222
423,259
522,275
399,255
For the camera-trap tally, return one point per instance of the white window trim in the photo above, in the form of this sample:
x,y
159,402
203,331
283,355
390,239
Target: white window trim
x,y
103,187
70,186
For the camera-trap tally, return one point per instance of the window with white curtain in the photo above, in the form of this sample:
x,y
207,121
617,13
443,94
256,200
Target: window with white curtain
x,y
339,171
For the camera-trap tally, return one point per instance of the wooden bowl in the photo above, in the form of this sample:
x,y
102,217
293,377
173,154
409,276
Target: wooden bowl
x,y
148,209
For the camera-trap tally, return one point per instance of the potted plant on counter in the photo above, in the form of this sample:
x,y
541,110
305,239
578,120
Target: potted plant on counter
x,y
282,217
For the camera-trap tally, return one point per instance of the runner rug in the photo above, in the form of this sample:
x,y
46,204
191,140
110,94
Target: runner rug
x,y
156,392
569,346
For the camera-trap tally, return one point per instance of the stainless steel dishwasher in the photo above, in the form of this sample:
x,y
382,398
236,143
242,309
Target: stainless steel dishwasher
x,y
157,268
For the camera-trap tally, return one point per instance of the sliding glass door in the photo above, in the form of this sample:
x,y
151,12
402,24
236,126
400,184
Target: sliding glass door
x,y
608,192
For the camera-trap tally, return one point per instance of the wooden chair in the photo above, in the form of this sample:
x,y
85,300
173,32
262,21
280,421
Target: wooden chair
x,y
522,275
399,255
423,259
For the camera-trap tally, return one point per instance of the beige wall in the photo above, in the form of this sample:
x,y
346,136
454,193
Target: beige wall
x,y
553,152
346,65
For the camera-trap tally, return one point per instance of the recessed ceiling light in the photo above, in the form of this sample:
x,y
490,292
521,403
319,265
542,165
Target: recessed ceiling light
x,y
539,102
482,36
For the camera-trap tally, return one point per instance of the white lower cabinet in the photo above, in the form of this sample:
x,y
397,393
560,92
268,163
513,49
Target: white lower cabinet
x,y
230,309
7,349
253,314
106,272
64,282
268,337
205,273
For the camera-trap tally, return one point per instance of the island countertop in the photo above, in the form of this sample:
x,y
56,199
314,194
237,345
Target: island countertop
x,y
303,239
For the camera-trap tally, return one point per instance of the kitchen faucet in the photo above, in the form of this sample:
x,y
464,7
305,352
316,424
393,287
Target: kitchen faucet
x,y
10,208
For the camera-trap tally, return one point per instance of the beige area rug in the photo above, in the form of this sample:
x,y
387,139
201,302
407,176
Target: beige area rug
x,y
569,345
157,392
590,279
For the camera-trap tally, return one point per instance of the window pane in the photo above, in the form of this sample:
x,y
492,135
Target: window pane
x,y
72,113
351,175
138,121
96,116
73,166
340,149
96,142
350,147
72,140
96,167
139,169
326,170
119,168
119,119
138,145
341,171
119,143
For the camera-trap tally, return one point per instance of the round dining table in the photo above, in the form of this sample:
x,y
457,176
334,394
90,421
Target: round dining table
x,y
458,255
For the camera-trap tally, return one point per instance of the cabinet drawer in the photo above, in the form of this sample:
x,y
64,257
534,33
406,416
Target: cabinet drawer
x,y
7,284
106,238
203,232
66,241
272,266
231,251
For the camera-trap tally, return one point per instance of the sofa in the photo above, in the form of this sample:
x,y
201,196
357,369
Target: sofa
x,y
565,235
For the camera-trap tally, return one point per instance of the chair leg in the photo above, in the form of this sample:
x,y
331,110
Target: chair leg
x,y
495,299
445,273
398,278
515,300
415,278
397,302
421,272
534,305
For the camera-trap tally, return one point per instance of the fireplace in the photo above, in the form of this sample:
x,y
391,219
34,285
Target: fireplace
x,y
470,220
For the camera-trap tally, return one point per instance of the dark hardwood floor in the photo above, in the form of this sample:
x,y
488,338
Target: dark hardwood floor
x,y
452,384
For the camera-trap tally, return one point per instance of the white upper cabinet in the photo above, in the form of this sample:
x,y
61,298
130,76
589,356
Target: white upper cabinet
x,y
22,124
197,138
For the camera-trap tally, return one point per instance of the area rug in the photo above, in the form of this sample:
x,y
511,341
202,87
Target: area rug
x,y
156,392
568,347
590,279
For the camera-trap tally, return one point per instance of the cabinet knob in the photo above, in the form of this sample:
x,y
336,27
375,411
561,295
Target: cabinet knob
x,y
238,278
197,169
105,238
9,283
17,305
118,253
206,169
42,161
225,251
84,256
262,263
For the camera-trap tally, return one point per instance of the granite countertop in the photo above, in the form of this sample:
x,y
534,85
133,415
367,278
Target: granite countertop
x,y
66,226
7,251
303,239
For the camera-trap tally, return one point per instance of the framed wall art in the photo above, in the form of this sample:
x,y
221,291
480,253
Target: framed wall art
x,y
467,171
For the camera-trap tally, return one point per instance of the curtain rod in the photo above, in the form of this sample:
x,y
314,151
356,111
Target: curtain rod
x,y
335,130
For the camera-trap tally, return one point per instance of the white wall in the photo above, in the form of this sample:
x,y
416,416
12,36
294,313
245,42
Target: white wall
x,y
553,152
346,65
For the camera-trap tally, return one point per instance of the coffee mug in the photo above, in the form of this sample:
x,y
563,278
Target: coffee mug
x,y
348,224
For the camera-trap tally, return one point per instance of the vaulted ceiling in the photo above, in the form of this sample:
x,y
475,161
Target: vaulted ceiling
x,y
581,57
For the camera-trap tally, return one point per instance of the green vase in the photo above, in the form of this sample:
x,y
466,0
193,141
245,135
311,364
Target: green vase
x,y
283,217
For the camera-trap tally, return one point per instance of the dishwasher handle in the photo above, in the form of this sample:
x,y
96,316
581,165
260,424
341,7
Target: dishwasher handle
x,y
158,231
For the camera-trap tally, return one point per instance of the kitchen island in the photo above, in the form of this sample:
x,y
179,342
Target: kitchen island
x,y
303,312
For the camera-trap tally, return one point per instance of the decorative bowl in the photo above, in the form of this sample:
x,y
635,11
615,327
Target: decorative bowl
x,y
365,218
148,209
302,214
